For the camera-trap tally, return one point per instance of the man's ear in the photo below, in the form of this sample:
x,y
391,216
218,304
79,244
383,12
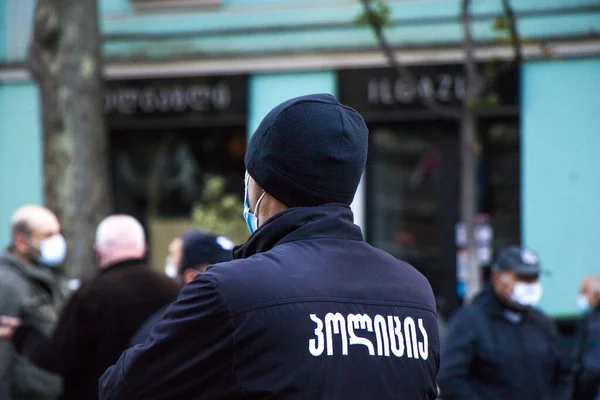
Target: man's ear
x,y
189,274
499,282
20,242
494,277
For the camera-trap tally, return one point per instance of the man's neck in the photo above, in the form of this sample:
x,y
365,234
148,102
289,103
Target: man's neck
x,y
269,208
116,261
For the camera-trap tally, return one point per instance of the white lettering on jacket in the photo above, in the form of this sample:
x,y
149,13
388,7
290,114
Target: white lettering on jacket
x,y
393,336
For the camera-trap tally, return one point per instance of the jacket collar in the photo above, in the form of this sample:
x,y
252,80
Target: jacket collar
x,y
330,221
133,262
34,272
496,308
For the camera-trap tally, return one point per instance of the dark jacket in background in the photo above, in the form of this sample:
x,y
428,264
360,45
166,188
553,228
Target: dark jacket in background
x,y
143,333
307,310
34,294
98,323
587,367
486,356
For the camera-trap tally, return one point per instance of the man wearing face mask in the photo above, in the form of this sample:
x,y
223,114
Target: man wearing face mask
x,y
102,316
30,290
307,309
499,346
587,365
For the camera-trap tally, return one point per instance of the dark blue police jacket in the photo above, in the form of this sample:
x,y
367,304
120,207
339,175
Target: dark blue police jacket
x,y
306,310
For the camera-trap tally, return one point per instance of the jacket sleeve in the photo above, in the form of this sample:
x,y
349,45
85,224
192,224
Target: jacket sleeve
x,y
189,354
562,382
9,305
458,354
35,346
588,377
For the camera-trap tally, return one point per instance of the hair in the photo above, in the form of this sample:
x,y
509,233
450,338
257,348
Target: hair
x,y
23,219
120,231
594,284
21,226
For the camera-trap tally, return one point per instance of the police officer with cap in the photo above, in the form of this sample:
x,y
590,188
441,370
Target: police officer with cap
x,y
199,250
307,309
499,346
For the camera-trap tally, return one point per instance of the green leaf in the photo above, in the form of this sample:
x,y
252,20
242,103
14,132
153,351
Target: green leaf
x,y
378,16
500,24
220,213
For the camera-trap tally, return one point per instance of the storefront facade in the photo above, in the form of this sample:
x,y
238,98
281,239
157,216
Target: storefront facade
x,y
192,83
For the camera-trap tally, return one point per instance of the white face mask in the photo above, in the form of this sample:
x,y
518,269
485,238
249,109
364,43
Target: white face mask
x,y
171,270
527,294
583,303
53,251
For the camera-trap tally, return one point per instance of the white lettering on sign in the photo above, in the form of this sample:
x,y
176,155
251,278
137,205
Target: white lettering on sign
x,y
444,88
176,98
392,335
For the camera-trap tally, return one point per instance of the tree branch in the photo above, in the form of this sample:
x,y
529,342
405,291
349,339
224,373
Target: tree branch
x,y
403,71
509,14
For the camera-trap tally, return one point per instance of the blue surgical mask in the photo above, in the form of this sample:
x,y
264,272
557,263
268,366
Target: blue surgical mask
x,y
583,303
251,219
53,251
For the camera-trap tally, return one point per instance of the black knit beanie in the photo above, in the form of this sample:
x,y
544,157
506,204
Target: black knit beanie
x,y
309,151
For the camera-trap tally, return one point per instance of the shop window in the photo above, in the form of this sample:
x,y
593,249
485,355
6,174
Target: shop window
x,y
161,177
412,179
413,182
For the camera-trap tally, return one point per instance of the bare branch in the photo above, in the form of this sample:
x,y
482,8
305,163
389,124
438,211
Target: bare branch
x,y
509,14
403,71
512,29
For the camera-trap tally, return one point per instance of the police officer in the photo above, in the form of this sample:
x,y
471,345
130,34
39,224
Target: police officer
x,y
499,346
307,309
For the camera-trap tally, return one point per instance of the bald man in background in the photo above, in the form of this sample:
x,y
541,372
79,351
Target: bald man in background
x,y
102,315
587,367
31,291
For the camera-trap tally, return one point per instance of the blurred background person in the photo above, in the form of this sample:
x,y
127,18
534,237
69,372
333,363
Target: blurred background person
x,y
587,359
173,258
201,249
499,346
30,291
194,251
101,317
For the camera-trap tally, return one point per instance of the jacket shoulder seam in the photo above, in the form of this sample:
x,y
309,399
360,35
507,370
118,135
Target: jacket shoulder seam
x,y
276,303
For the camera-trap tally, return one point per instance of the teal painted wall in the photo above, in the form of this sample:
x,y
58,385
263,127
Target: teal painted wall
x,y
20,152
16,21
217,31
235,25
269,90
561,174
